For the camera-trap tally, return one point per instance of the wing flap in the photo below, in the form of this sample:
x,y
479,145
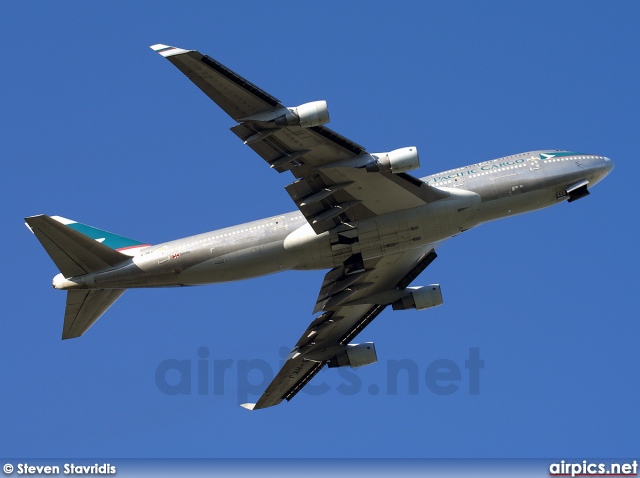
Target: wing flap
x,y
321,146
333,188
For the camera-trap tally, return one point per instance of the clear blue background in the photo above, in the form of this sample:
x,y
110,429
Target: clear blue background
x,y
98,128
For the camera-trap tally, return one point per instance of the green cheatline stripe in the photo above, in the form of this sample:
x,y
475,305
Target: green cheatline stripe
x,y
563,153
111,240
165,49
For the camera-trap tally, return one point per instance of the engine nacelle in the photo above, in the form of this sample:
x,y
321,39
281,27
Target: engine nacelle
x,y
355,355
420,298
396,161
306,115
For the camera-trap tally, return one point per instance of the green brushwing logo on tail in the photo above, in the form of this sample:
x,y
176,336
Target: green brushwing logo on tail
x,y
109,239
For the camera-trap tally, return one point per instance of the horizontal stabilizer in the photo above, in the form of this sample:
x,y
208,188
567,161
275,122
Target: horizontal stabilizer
x,y
248,406
84,307
74,253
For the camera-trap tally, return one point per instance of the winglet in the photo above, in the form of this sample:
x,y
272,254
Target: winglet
x,y
166,50
248,406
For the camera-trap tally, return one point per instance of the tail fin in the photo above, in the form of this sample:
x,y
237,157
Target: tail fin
x,y
74,253
122,244
78,249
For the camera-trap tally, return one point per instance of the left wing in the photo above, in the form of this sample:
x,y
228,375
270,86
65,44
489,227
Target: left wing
x,y
350,298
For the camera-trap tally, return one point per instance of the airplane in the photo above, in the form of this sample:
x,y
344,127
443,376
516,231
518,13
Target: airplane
x,y
360,214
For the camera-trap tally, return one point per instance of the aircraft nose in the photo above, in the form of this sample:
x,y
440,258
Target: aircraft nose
x,y
608,164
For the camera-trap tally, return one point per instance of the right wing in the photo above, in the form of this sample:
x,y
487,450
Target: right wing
x,y
333,184
235,95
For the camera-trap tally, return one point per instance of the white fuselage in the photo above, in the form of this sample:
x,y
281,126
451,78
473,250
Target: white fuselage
x,y
478,193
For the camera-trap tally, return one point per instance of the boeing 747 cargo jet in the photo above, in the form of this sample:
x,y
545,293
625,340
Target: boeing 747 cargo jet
x,y
360,214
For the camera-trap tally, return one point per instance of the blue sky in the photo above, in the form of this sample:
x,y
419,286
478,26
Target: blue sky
x,y
100,129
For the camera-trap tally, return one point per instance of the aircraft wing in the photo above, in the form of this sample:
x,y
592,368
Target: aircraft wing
x,y
338,183
333,186
351,296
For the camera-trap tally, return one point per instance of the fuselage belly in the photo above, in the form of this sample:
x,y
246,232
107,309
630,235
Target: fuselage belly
x,y
478,193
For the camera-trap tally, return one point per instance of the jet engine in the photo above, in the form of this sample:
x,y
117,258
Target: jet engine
x,y
396,161
355,355
306,115
420,298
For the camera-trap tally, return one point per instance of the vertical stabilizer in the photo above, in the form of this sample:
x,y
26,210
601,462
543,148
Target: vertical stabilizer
x,y
77,249
74,253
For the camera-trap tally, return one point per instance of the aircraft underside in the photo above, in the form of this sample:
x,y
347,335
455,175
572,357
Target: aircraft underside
x,y
360,215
